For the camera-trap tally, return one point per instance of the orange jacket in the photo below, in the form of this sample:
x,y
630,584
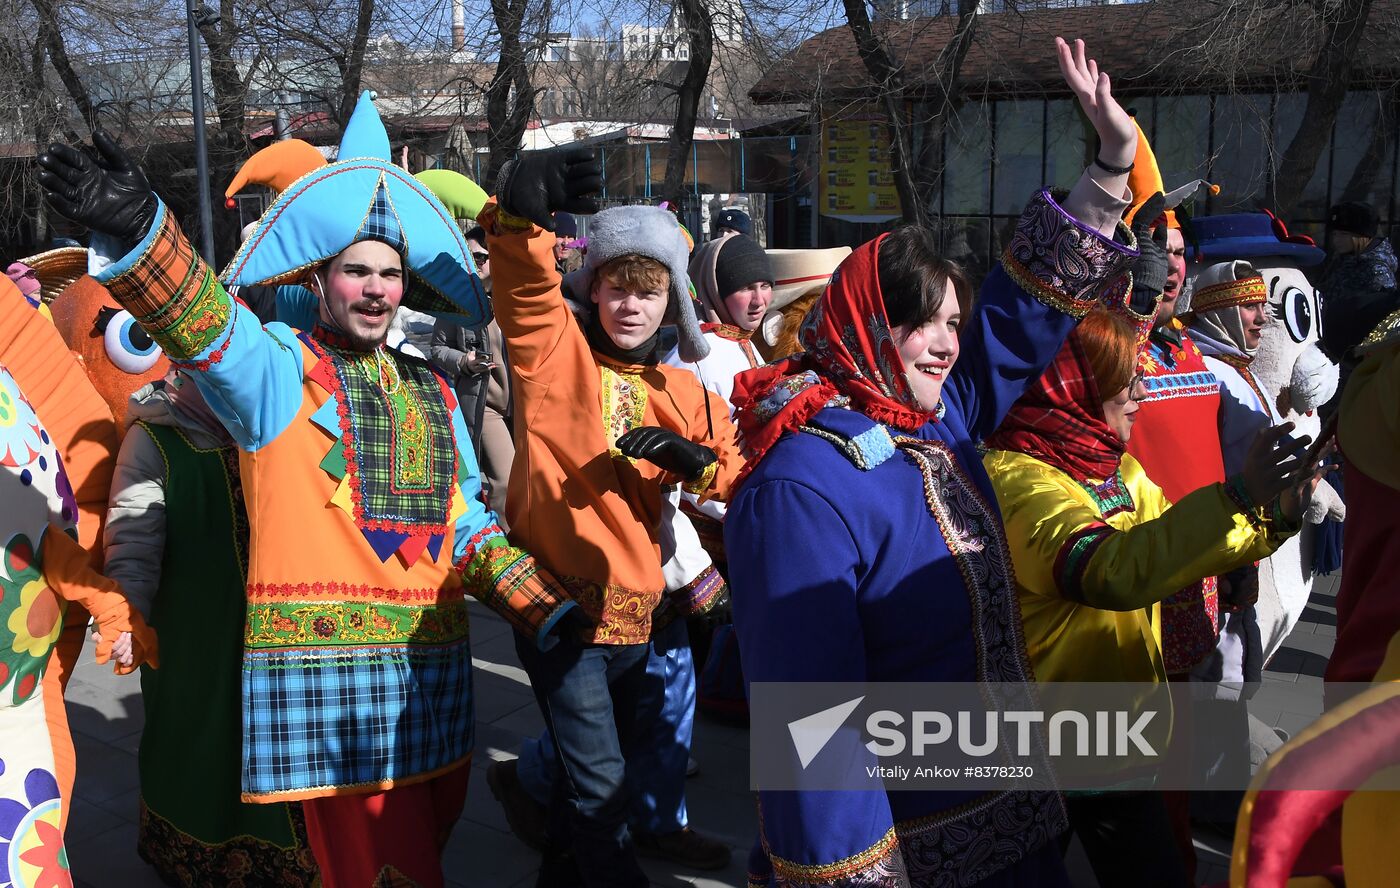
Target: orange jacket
x,y
587,513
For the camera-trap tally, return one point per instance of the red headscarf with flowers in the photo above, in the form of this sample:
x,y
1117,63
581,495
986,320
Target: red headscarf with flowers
x,y
851,360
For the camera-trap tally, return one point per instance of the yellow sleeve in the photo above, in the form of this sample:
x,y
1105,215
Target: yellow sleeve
x,y
1368,428
1062,547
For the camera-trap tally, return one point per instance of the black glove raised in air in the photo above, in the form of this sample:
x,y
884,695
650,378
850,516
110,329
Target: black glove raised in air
x,y
535,185
107,192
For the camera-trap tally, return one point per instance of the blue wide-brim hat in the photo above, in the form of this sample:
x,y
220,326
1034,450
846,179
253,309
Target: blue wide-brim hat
x,y
363,196
1248,236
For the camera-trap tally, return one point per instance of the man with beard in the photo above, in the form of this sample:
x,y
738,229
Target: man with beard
x,y
362,492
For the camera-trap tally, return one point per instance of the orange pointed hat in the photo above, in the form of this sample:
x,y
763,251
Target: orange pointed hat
x,y
276,166
1146,180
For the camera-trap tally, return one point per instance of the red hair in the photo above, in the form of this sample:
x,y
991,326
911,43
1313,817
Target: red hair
x,y
1110,345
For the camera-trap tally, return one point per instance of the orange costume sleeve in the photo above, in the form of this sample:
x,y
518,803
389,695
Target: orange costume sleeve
x,y
68,573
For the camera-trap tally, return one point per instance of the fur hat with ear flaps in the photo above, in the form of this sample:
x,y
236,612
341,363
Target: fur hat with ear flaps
x,y
654,233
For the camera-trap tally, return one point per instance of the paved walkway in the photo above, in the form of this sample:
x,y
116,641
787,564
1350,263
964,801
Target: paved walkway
x,y
106,715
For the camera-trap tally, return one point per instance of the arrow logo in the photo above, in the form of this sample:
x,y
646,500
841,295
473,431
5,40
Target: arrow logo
x,y
811,733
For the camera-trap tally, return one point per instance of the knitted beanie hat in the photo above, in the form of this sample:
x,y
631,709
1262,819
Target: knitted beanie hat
x,y
654,233
741,262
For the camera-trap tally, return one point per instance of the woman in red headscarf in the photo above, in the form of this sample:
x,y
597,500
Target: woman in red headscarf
x,y
1096,546
864,544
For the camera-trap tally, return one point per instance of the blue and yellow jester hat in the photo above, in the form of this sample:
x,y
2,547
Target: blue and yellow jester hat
x,y
363,196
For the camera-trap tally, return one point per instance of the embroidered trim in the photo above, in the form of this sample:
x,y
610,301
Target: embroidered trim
x,y
622,615
1074,556
878,866
700,594
973,533
1111,496
334,591
703,482
182,859
1059,262
414,428
728,331
966,845
1245,291
1241,366
506,579
326,623
624,406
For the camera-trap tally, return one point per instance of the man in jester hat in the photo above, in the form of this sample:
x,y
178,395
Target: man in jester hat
x,y
362,493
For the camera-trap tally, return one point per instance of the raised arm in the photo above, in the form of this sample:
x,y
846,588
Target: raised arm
x,y
251,377
1061,255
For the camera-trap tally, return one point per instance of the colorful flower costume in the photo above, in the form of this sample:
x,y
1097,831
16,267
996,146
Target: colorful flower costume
x,y
42,568
363,501
893,564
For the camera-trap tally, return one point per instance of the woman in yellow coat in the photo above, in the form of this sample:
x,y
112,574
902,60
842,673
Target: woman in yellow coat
x,y
1097,546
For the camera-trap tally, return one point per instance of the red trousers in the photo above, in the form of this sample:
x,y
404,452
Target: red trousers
x,y
392,839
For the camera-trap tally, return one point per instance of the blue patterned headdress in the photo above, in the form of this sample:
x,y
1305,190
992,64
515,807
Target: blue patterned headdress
x,y
363,196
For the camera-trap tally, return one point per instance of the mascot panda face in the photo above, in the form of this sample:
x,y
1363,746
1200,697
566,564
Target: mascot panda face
x,y
117,355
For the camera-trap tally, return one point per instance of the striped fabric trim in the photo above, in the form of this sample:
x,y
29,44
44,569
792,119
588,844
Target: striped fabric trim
x,y
1073,559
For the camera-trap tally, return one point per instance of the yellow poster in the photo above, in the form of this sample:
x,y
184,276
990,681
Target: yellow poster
x,y
855,182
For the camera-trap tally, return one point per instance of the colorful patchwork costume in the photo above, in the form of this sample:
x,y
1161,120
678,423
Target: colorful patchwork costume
x,y
363,501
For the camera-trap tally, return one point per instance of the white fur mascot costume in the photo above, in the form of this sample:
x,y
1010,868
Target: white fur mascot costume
x,y
1290,371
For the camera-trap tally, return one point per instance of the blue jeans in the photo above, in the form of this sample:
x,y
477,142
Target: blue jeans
x,y
655,772
597,701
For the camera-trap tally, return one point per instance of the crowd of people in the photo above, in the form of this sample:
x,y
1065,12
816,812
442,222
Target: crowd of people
x,y
675,468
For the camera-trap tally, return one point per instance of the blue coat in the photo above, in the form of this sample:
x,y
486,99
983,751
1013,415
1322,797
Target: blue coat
x,y
840,571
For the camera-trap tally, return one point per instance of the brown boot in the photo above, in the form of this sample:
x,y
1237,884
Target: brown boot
x,y
527,818
685,847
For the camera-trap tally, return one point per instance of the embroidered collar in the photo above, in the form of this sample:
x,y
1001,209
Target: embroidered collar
x,y
1111,495
335,339
728,331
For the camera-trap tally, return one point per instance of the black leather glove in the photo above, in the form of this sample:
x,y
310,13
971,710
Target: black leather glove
x,y
1150,267
535,184
107,193
664,448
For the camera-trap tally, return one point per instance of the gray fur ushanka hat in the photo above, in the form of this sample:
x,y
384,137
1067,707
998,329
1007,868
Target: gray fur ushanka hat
x,y
654,233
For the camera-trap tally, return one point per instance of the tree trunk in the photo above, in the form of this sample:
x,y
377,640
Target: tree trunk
x,y
889,85
941,105
510,97
229,144
1343,24
917,174
1358,187
51,35
700,35
355,62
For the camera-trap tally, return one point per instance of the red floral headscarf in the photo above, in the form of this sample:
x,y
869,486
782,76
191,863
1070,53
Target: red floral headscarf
x,y
1059,420
850,361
